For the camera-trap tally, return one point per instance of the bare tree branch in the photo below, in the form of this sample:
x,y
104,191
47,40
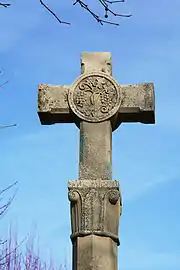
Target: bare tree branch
x,y
1,85
7,126
13,125
11,252
57,18
4,5
6,189
4,207
105,4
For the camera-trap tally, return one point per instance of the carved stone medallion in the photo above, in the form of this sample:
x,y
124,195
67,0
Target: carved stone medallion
x,y
94,97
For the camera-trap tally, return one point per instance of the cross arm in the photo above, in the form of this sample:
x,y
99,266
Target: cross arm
x,y
137,103
53,104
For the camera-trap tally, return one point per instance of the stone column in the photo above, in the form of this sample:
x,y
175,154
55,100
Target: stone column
x,y
95,212
95,198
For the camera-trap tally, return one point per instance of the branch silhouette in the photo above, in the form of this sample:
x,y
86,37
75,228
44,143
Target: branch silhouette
x,y
5,5
1,85
105,5
12,125
48,9
7,126
3,208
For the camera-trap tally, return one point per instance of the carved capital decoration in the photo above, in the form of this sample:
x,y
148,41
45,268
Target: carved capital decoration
x,y
94,97
95,208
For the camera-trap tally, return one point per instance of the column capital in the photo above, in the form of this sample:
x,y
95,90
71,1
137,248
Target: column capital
x,y
96,206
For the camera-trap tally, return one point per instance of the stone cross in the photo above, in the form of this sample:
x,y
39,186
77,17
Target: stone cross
x,y
97,104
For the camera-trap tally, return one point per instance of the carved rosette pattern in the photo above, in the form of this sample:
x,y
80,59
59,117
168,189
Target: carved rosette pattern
x,y
95,208
94,97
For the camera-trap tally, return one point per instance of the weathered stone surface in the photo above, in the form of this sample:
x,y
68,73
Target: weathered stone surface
x,y
137,104
96,61
53,104
96,202
96,207
95,157
94,253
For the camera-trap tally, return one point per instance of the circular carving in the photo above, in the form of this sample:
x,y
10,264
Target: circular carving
x,y
94,97
73,196
113,196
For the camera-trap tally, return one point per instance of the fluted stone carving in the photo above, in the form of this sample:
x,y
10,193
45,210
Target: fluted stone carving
x,y
95,208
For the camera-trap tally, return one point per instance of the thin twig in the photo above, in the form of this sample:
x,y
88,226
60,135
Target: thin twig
x,y
3,242
1,85
105,5
107,9
4,207
11,252
5,5
10,186
57,18
113,2
13,125
85,6
7,126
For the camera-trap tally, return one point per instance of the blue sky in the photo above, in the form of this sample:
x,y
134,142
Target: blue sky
x,y
35,49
